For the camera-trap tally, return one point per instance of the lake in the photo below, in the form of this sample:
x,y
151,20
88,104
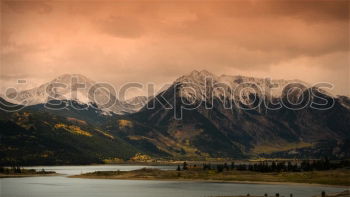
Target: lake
x,y
58,186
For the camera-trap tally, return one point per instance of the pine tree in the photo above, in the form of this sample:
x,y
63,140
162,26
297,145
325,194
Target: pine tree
x,y
178,168
184,167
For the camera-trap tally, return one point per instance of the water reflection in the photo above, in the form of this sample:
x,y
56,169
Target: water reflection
x,y
58,186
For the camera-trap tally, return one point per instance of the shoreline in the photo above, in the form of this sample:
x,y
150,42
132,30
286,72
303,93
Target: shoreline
x,y
28,175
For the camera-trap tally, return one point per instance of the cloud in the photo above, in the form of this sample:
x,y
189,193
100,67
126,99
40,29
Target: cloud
x,y
119,41
121,26
20,7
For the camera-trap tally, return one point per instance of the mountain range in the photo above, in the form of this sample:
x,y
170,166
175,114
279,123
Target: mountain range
x,y
76,87
194,118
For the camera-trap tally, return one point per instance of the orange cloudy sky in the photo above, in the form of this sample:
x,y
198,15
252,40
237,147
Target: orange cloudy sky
x,y
158,41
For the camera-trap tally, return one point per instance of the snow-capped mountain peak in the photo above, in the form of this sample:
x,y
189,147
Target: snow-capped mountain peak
x,y
64,87
74,87
197,84
196,77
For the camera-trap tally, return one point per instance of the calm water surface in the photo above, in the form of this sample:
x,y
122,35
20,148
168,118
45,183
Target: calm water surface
x,y
58,186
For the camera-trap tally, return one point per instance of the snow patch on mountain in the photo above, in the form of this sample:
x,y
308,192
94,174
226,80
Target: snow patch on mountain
x,y
73,87
198,85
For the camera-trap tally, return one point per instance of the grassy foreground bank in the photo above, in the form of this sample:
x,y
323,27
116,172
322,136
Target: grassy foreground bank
x,y
345,193
339,177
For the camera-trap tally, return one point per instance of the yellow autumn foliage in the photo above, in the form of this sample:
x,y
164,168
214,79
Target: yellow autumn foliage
x,y
140,157
105,133
75,120
113,161
73,129
124,123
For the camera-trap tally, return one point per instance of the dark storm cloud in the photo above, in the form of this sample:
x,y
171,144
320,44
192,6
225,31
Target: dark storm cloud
x,y
41,7
159,40
309,10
